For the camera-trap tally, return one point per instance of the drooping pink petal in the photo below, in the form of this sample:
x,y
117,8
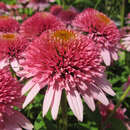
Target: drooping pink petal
x,y
22,121
47,100
89,100
99,95
75,104
27,86
32,93
106,56
56,103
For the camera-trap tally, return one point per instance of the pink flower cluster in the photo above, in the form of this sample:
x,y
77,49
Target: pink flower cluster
x,y
10,96
63,51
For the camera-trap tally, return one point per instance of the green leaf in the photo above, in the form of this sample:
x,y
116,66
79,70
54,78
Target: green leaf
x,y
45,123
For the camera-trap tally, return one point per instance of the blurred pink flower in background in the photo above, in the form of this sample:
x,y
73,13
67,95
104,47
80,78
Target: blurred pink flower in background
x,y
102,30
8,24
38,5
10,96
3,6
65,15
128,18
105,111
126,42
38,23
64,60
119,114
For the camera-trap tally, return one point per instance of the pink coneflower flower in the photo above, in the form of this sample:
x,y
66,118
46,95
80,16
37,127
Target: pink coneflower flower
x,y
8,24
125,38
3,6
10,96
102,30
38,23
126,42
119,114
12,45
65,15
64,60
105,111
39,5
56,9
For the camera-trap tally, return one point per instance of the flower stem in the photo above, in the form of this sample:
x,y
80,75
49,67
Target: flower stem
x,y
117,105
122,13
64,112
98,2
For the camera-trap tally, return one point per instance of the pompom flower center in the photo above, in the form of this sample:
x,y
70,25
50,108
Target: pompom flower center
x,y
8,36
103,18
4,17
63,35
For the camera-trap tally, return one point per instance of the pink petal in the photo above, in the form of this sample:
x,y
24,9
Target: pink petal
x,y
22,121
99,95
105,86
11,125
114,55
75,104
47,100
15,65
27,86
3,63
33,92
89,101
106,56
56,103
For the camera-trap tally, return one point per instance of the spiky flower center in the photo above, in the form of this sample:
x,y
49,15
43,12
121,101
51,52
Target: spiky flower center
x,y
8,36
103,18
4,17
63,35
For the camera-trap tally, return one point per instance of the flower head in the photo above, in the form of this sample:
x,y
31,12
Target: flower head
x,y
8,24
39,5
105,111
39,23
102,30
64,59
56,9
10,96
65,15
3,6
12,45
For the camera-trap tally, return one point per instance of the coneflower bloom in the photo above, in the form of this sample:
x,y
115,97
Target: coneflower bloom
x,y
64,60
39,5
126,42
38,23
102,30
8,24
105,111
119,114
3,6
10,96
12,45
65,15
125,38
56,9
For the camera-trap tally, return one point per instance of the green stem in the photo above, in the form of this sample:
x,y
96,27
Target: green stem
x,y
58,2
97,4
117,105
64,119
122,13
